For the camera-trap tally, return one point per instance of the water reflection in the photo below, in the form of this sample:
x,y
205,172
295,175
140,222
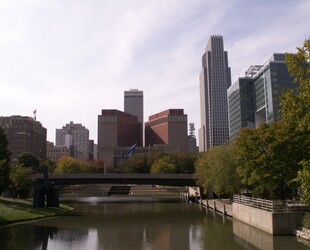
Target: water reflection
x,y
140,225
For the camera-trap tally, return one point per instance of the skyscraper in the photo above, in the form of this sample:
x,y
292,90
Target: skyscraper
x,y
215,79
133,103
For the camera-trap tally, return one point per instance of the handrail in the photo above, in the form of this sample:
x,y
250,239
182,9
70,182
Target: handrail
x,y
271,205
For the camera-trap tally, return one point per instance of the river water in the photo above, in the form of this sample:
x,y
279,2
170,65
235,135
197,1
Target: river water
x,y
139,223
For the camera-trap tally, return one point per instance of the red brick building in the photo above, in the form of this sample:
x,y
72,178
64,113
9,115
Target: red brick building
x,y
167,127
116,129
24,134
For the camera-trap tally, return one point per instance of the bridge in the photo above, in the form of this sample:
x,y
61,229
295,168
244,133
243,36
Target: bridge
x,y
146,179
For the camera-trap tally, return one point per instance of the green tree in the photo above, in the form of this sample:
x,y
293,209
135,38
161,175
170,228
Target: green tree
x,y
69,164
50,164
296,111
21,178
4,161
202,169
296,104
303,179
28,160
184,162
163,166
268,159
137,164
216,170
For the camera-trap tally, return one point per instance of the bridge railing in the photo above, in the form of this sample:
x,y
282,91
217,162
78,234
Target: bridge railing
x,y
120,176
276,206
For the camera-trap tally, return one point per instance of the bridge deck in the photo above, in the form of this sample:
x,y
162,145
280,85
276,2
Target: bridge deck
x,y
151,179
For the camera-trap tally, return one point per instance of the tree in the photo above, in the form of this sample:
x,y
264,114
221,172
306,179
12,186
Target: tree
x,y
296,111
217,170
28,160
268,159
137,164
303,179
21,178
184,162
50,164
4,161
68,164
296,104
163,166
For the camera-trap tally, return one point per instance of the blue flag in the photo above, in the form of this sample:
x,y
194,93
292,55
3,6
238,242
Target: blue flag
x,y
132,150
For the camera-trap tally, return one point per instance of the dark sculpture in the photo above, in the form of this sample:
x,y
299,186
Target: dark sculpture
x,y
45,193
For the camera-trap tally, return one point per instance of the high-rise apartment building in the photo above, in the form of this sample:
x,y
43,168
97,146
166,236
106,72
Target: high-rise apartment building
x,y
75,137
215,79
133,103
24,134
168,127
255,99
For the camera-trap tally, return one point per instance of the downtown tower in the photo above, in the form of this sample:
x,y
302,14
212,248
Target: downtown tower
x,y
215,79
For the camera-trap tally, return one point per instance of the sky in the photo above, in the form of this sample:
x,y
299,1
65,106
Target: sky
x,y
69,59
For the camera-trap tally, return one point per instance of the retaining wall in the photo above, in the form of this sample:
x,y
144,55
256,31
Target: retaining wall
x,y
270,222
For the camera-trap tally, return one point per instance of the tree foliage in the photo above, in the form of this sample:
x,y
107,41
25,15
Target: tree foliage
x,y
142,163
28,160
137,164
268,159
296,111
69,164
163,166
4,161
304,179
296,105
49,163
216,169
21,178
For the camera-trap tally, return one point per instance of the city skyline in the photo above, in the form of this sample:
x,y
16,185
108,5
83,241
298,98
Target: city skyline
x,y
69,60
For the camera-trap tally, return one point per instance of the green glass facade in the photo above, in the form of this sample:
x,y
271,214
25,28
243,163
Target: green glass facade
x,y
255,100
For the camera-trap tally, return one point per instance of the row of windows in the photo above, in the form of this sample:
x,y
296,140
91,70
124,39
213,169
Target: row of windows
x,y
107,119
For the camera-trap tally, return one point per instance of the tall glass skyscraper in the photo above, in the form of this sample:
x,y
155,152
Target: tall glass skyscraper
x,y
215,79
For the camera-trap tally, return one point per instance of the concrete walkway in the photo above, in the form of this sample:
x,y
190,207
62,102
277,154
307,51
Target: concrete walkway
x,y
223,206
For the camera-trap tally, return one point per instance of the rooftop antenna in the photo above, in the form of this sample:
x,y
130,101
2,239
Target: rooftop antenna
x,y
35,115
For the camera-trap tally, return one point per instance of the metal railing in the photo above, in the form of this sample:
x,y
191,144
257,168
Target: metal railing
x,y
276,206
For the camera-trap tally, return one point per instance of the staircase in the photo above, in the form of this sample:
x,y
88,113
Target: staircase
x,y
119,190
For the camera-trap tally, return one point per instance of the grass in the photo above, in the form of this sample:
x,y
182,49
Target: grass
x,y
14,210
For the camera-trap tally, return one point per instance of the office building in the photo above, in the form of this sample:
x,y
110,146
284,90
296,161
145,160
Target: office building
x,y
75,137
168,127
133,103
116,130
270,82
215,79
56,153
24,134
255,99
241,106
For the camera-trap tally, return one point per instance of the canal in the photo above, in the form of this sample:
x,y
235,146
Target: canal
x,y
150,223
